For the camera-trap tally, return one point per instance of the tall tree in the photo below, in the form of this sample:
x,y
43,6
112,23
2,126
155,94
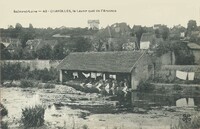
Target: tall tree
x,y
45,52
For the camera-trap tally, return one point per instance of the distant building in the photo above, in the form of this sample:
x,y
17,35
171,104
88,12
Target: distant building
x,y
93,24
156,26
147,40
36,44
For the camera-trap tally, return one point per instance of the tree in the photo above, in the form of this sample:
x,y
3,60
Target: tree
x,y
5,55
18,29
60,51
182,53
45,52
82,44
27,34
165,33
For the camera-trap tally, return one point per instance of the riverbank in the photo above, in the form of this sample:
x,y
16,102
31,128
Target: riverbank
x,y
59,113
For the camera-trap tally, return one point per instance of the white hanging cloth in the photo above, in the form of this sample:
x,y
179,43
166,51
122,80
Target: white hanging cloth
x,y
93,75
75,75
190,75
86,74
99,74
107,88
112,76
181,75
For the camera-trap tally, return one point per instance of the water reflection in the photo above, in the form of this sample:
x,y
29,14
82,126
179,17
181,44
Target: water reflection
x,y
184,102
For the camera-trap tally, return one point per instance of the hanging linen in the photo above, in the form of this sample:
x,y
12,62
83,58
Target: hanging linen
x,y
86,74
112,76
181,75
190,75
107,88
93,75
99,74
75,75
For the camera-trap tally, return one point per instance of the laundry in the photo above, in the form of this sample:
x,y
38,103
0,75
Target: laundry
x,y
125,89
99,74
107,88
93,75
75,75
190,75
112,76
86,74
98,86
181,75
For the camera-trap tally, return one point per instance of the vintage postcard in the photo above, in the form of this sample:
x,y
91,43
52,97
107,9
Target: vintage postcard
x,y
74,64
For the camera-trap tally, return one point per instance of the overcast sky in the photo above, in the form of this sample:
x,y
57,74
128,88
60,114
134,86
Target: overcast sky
x,y
133,12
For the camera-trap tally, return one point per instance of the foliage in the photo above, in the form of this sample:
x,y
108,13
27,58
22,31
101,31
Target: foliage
x,y
82,44
3,125
4,52
33,116
45,52
13,71
85,127
47,86
24,83
4,111
194,123
182,53
177,88
60,51
145,87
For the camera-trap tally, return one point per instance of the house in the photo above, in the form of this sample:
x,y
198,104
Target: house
x,y
147,40
134,66
130,45
157,26
93,24
32,44
36,44
14,43
195,49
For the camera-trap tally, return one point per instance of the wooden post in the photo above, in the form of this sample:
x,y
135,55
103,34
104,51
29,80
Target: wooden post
x,y
61,76
104,76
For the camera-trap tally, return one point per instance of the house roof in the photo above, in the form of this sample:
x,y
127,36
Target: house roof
x,y
147,37
13,44
51,43
117,62
39,43
193,46
61,36
34,43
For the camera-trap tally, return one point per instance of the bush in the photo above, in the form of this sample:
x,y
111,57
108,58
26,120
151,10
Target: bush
x,y
145,87
3,125
177,88
47,86
4,111
193,124
85,127
24,83
33,116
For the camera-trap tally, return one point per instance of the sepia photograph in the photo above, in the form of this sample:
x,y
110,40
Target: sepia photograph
x,y
74,64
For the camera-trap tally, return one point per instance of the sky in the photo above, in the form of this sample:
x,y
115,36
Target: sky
x,y
133,12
